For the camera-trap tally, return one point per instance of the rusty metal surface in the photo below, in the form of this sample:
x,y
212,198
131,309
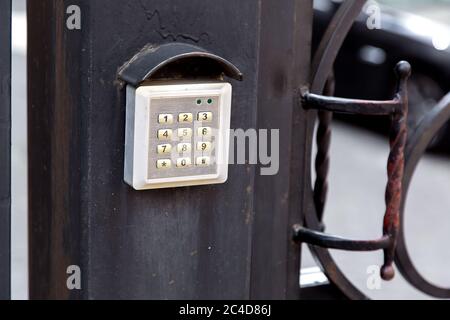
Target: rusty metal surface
x,y
396,164
398,109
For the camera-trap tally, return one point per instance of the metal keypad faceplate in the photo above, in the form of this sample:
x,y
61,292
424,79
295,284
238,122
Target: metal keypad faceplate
x,y
173,108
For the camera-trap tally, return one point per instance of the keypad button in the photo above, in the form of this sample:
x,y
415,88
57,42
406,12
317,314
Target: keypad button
x,y
205,116
184,162
185,118
204,146
164,164
164,148
203,161
205,132
165,118
185,133
184,148
165,134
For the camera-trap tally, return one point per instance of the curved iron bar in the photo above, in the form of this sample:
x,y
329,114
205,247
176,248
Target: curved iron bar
x,y
323,63
360,107
398,109
328,241
415,148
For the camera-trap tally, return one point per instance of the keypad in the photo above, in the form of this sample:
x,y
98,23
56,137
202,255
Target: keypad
x,y
177,134
183,137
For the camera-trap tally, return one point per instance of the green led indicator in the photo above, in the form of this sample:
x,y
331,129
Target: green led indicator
x,y
210,101
199,101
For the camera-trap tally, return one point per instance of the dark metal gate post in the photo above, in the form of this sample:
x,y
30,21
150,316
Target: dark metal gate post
x,y
5,147
230,241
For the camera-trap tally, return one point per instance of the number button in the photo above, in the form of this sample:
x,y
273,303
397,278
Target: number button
x,y
204,146
205,132
164,148
205,116
185,118
165,134
165,118
185,133
184,162
203,161
184,148
164,164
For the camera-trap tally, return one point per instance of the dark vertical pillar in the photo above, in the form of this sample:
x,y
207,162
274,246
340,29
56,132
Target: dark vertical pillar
x,y
59,89
283,67
228,241
5,147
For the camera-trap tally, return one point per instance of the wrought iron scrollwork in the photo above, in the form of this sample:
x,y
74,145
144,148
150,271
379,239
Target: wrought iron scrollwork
x,y
398,109
404,156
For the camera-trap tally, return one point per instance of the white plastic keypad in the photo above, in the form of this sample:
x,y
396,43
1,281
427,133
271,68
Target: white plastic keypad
x,y
177,135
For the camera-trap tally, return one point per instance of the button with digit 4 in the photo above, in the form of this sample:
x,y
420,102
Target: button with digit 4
x,y
165,134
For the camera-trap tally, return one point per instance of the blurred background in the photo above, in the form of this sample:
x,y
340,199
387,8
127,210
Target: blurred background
x,y
19,185
414,30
